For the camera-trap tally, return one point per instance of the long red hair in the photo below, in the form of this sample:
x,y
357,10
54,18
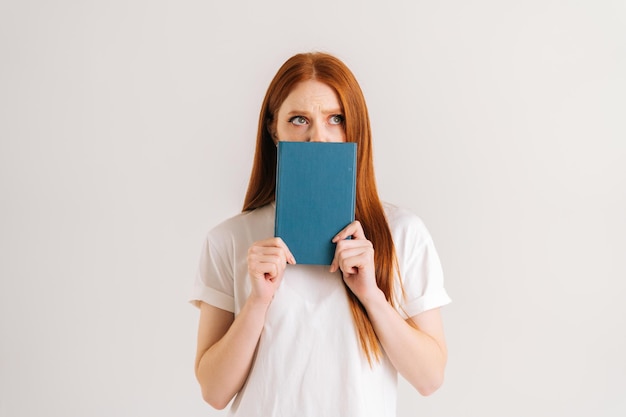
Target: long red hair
x,y
369,211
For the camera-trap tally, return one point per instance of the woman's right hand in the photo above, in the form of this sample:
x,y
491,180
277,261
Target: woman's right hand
x,y
226,344
267,260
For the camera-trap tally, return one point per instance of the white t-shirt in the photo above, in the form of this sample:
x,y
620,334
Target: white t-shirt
x,y
309,361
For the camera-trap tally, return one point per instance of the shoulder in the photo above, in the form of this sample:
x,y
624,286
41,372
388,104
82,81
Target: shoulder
x,y
243,224
406,225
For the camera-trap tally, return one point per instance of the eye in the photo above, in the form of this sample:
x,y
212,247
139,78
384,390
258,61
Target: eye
x,y
298,120
336,119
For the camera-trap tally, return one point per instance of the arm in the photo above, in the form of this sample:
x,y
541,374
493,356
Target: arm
x,y
226,344
416,347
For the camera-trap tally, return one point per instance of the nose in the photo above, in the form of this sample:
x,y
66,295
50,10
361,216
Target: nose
x,y
318,133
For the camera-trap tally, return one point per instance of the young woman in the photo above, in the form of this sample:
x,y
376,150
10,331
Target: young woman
x,y
285,339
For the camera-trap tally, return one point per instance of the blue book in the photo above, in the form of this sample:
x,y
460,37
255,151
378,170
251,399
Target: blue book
x,y
315,197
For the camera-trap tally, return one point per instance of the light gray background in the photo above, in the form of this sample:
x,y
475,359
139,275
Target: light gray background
x,y
127,130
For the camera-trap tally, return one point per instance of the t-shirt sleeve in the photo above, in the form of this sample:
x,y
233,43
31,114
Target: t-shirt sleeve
x,y
214,283
420,270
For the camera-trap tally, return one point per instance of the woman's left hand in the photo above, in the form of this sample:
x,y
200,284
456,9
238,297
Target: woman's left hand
x,y
355,258
416,347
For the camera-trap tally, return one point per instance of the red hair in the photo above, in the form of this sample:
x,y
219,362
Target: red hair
x,y
369,211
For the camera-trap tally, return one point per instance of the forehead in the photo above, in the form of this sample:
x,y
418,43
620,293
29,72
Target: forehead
x,y
312,93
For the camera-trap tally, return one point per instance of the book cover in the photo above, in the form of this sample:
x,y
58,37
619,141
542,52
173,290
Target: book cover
x,y
315,197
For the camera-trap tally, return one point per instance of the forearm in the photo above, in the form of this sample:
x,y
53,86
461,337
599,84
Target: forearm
x,y
223,368
418,357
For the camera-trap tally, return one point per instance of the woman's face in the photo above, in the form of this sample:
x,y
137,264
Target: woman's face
x,y
310,113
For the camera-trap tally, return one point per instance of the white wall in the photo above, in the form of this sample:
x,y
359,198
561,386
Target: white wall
x,y
127,131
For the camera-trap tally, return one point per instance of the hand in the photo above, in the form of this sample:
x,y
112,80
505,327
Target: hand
x,y
355,258
267,260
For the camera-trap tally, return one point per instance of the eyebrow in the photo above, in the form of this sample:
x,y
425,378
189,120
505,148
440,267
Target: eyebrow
x,y
303,112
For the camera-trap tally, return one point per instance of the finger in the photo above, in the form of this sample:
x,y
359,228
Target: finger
x,y
351,248
353,258
349,266
277,259
353,244
353,251
290,258
263,270
343,245
354,229
267,254
270,270
276,242
263,260
333,265
279,243
270,267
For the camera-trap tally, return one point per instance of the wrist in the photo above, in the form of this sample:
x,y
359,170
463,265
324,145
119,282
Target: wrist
x,y
373,298
258,302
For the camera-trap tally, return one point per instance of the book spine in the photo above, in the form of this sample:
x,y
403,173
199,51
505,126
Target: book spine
x,y
353,181
276,191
